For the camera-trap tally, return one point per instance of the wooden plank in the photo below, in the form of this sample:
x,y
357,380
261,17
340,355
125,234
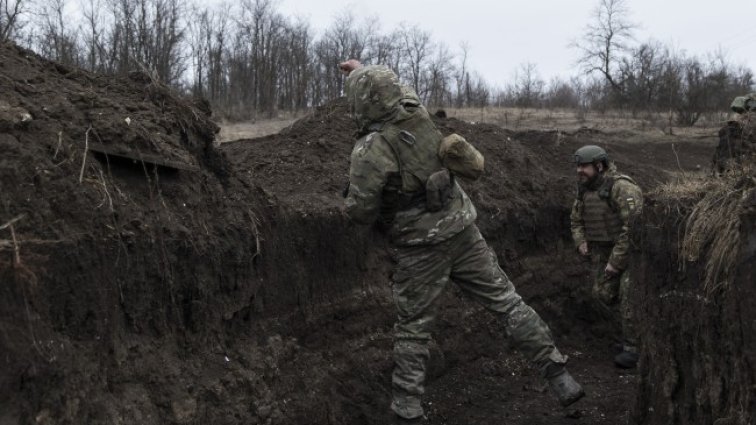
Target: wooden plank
x,y
141,157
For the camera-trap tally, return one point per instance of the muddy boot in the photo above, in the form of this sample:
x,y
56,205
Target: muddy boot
x,y
563,385
408,410
398,420
627,359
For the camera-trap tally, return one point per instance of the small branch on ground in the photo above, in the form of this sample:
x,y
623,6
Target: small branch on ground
x,y
86,150
60,142
9,243
13,220
677,158
16,249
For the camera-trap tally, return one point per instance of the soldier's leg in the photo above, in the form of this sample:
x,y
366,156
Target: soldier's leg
x,y
420,276
628,358
605,288
476,270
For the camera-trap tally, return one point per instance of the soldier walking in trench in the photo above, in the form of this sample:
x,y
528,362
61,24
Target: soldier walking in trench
x,y
398,182
605,202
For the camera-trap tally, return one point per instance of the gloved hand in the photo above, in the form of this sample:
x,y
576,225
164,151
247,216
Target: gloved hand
x,y
349,65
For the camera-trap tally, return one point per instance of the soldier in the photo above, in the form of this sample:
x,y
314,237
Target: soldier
x,y
604,205
397,180
737,138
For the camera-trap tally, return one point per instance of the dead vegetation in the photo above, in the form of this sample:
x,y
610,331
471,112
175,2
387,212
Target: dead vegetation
x,y
711,231
643,125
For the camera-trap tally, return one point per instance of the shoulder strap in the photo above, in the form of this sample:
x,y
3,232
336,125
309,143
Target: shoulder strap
x,y
624,177
606,190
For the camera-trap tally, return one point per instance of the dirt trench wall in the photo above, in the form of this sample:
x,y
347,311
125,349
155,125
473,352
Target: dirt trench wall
x,y
308,258
132,245
698,361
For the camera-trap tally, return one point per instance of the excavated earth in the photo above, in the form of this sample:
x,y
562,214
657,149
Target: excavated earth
x,y
149,276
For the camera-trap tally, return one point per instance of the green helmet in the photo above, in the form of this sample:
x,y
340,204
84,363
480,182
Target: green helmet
x,y
743,104
589,154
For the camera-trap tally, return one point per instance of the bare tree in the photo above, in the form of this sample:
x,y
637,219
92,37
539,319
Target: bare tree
x,y
416,45
528,86
207,38
640,75
605,39
11,12
55,39
386,49
462,77
96,54
343,39
562,94
440,72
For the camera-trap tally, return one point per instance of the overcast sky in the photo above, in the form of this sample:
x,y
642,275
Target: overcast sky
x,y
503,34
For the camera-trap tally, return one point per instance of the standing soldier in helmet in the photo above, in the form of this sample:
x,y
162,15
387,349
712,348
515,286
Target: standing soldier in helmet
x,y
400,179
606,200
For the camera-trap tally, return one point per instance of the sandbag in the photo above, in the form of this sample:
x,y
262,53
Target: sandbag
x,y
460,157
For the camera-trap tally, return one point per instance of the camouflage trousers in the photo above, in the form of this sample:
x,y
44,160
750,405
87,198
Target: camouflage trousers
x,y
610,294
421,274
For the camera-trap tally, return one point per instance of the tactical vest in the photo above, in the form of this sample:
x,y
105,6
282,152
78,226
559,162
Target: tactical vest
x,y
415,141
601,218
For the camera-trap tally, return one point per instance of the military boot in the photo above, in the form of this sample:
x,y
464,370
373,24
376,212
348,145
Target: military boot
x,y
563,385
398,420
407,409
627,359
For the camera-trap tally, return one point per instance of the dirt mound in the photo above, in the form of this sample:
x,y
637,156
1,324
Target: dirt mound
x,y
115,258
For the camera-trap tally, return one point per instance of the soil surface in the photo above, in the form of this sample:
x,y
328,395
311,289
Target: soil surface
x,y
153,278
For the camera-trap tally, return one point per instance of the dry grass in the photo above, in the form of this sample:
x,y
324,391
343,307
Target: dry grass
x,y
712,229
687,186
252,130
644,124
572,119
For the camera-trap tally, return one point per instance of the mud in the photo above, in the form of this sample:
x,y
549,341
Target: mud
x,y
174,282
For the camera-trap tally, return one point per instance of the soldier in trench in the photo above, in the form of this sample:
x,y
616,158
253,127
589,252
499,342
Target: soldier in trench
x,y
737,138
398,182
605,202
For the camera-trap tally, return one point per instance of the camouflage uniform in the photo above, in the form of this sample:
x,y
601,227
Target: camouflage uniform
x,y
737,138
389,167
600,216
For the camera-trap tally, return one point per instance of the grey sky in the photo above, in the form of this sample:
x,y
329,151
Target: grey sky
x,y
506,33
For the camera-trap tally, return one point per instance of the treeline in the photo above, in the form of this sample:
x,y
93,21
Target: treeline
x,y
248,59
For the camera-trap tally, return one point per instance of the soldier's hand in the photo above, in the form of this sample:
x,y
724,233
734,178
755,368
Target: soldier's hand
x,y
583,248
349,65
610,270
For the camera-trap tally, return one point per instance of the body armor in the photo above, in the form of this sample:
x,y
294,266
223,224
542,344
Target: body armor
x,y
601,219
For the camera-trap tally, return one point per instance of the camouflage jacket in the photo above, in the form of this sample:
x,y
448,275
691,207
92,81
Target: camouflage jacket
x,y
621,200
380,185
373,185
